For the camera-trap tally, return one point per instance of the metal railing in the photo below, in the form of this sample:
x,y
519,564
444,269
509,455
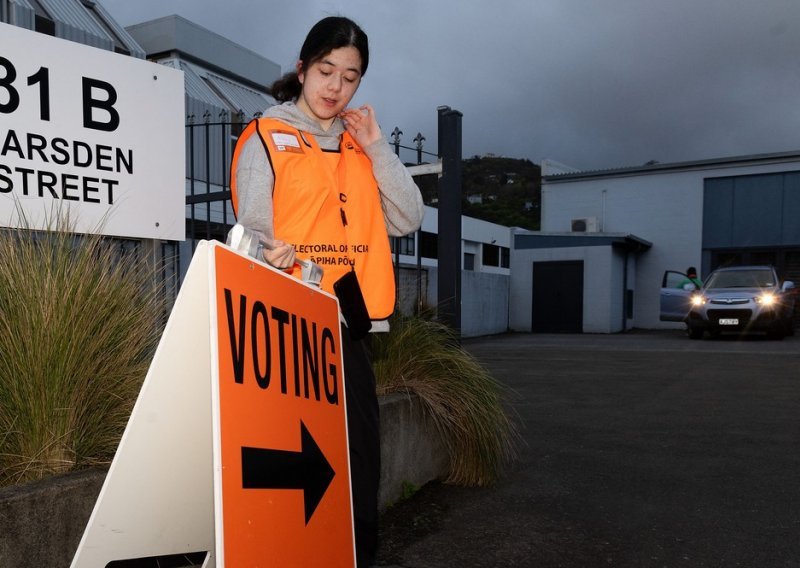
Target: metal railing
x,y
209,213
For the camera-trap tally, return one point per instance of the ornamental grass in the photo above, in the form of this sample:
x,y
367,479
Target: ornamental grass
x,y
466,404
80,320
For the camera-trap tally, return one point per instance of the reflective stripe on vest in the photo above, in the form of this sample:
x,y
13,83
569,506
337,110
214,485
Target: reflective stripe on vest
x,y
333,216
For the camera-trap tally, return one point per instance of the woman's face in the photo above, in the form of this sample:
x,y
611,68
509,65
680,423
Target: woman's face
x,y
329,83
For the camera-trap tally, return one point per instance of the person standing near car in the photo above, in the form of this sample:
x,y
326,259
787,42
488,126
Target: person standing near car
x,y
317,179
691,278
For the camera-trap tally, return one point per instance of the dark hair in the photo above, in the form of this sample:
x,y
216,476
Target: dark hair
x,y
691,271
326,35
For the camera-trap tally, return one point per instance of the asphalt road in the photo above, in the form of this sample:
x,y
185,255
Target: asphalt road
x,y
643,449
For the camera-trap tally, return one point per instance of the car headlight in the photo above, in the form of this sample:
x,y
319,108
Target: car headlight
x,y
766,299
698,300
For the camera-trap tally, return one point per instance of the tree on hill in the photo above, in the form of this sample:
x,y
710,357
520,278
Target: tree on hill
x,y
503,190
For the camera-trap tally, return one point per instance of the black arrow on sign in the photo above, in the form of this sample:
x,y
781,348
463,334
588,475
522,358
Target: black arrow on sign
x,y
281,469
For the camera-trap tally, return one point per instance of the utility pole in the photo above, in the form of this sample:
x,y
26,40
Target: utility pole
x,y
449,239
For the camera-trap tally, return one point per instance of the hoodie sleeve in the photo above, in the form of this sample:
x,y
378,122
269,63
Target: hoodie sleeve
x,y
254,184
400,197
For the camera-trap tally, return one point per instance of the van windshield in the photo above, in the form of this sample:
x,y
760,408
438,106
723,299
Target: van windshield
x,y
756,278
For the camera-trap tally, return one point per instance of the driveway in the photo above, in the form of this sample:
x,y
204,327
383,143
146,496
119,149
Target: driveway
x,y
642,449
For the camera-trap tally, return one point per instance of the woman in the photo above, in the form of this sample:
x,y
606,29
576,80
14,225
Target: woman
x,y
317,179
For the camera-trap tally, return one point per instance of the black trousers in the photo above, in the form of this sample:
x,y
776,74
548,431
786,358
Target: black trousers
x,y
363,426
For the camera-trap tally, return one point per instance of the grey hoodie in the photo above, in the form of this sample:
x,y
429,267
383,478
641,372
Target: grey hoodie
x,y
400,197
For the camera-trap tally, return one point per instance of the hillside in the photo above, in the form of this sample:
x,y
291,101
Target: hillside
x,y
501,190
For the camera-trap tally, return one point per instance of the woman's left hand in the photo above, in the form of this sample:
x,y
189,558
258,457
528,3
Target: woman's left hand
x,y
361,124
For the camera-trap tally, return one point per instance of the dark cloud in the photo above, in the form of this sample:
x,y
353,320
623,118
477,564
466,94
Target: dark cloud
x,y
590,84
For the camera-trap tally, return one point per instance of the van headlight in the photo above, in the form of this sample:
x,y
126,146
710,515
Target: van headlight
x,y
766,299
698,300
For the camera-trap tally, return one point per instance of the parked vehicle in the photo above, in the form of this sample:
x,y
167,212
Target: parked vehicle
x,y
739,299
676,295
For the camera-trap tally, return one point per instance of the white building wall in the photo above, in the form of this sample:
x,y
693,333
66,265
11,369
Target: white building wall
x,y
600,313
665,208
474,232
484,302
484,290
481,232
616,291
599,291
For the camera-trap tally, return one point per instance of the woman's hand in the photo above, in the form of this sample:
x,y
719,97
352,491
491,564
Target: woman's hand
x,y
361,124
280,255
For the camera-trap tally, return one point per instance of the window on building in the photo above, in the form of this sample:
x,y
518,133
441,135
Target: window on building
x,y
43,22
722,259
403,245
491,255
768,257
469,261
505,257
428,244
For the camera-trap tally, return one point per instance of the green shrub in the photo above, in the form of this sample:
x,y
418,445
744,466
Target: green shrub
x,y
419,356
80,321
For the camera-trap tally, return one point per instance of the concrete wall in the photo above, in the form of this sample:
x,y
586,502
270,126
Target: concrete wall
x,y
408,289
484,303
663,207
602,286
41,523
412,452
484,298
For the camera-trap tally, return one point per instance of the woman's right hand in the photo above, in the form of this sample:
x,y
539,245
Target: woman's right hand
x,y
280,255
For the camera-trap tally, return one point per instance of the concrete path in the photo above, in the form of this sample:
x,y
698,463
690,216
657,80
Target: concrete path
x,y
642,449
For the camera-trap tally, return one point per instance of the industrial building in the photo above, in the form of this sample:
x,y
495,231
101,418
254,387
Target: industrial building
x,y
616,231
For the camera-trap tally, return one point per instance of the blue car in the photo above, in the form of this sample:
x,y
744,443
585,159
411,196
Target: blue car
x,y
738,299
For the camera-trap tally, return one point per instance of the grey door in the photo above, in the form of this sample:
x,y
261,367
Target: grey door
x,y
675,300
557,297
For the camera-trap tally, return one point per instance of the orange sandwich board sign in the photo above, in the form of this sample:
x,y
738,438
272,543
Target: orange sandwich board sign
x,y
282,483
236,452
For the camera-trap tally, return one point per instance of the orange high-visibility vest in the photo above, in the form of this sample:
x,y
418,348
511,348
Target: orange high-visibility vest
x,y
331,212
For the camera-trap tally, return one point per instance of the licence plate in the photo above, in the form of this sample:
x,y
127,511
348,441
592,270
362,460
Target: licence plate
x,y
728,321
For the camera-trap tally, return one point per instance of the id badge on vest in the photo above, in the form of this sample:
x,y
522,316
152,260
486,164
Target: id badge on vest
x,y
286,141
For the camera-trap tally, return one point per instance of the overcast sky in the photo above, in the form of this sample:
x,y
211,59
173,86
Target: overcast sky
x,y
592,84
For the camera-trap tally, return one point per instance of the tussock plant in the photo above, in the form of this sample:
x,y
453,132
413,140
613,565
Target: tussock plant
x,y
80,321
419,356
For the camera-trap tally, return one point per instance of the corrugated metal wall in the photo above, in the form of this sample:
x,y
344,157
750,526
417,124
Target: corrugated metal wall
x,y
209,145
135,49
74,21
20,14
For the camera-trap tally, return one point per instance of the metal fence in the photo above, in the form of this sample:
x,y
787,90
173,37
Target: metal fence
x,y
209,148
209,214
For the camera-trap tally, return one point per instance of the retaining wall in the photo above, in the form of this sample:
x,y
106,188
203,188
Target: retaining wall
x,y
41,523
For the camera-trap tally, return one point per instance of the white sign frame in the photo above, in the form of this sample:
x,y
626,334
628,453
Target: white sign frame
x,y
89,134
163,495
